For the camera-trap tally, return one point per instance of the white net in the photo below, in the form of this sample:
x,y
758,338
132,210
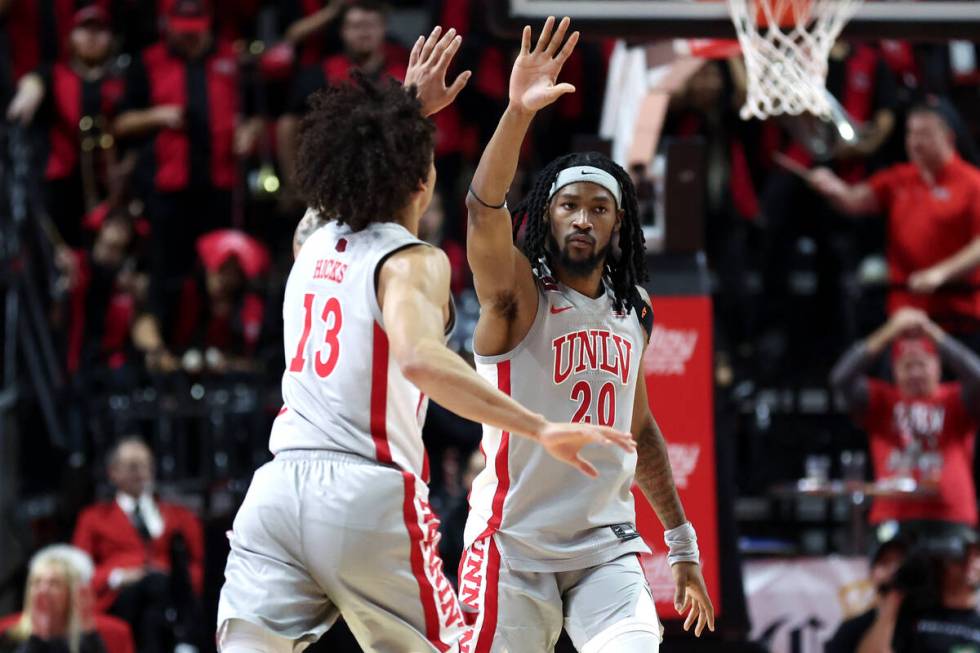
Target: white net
x,y
786,44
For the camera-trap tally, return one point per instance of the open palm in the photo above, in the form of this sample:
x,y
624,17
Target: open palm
x,y
566,441
532,81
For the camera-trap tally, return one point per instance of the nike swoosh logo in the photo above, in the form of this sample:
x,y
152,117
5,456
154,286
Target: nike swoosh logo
x,y
555,310
586,172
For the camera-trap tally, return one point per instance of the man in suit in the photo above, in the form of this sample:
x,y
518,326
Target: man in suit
x,y
148,553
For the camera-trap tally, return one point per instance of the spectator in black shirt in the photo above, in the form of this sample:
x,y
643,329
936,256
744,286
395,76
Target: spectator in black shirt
x,y
884,562
932,605
59,610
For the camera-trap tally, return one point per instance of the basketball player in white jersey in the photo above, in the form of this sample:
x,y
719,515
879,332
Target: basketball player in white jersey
x,y
339,522
563,327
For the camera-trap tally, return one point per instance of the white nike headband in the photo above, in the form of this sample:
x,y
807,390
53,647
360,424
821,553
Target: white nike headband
x,y
590,174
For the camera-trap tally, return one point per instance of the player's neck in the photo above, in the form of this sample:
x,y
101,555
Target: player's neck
x,y
409,218
589,285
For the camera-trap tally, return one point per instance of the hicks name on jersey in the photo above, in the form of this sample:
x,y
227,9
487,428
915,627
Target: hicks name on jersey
x,y
329,269
592,350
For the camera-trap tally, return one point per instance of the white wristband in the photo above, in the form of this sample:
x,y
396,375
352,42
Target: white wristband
x,y
682,544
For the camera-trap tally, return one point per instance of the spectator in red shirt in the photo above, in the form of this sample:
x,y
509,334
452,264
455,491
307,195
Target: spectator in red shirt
x,y
917,426
363,25
148,553
38,30
933,207
362,28
220,322
182,96
78,97
103,298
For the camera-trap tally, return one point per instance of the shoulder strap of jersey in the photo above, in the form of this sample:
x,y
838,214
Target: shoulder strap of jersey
x,y
644,311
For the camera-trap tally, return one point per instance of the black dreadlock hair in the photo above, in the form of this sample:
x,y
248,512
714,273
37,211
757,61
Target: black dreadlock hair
x,y
363,149
625,271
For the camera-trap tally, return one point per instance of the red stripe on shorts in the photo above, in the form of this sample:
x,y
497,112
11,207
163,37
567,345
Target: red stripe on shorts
x,y
501,462
488,628
426,592
379,395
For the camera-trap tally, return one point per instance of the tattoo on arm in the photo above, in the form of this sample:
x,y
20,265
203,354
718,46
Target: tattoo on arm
x,y
654,476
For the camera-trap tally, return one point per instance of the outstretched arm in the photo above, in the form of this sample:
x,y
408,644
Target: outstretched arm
x,y
499,269
316,22
428,64
656,480
852,199
413,291
955,267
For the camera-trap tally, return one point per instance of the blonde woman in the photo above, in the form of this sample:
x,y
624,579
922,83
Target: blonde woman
x,y
59,613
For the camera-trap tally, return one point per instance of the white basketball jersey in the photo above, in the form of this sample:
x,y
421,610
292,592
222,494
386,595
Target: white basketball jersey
x,y
578,363
342,390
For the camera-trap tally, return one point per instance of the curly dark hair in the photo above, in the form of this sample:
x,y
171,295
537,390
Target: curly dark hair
x,y
364,147
625,271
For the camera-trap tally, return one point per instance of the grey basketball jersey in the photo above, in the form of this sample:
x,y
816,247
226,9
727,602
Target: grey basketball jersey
x,y
578,363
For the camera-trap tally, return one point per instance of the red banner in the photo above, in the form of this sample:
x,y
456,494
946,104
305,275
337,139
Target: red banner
x,y
678,368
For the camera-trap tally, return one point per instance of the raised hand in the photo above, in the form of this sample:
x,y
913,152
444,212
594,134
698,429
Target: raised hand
x,y
566,441
691,596
532,81
907,321
427,66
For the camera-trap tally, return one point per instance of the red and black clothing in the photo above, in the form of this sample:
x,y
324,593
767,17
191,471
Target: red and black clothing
x,y
101,318
198,325
172,558
314,48
929,438
926,225
208,91
187,173
37,30
77,112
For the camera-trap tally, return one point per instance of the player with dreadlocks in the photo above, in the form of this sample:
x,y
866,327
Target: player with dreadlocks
x,y
563,326
339,522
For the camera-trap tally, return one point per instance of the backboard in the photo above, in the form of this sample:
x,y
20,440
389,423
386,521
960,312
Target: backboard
x,y
937,20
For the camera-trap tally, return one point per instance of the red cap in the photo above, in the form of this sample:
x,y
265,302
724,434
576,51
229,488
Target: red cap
x,y
216,247
189,16
912,344
90,15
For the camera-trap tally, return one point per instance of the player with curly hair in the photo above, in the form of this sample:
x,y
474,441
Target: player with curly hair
x,y
563,327
339,522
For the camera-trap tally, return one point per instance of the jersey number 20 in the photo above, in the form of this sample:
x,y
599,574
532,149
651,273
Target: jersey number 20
x,y
582,393
326,358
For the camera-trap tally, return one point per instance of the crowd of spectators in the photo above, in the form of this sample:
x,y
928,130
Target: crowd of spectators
x,y
165,132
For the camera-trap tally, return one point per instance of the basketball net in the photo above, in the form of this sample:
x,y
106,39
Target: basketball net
x,y
786,45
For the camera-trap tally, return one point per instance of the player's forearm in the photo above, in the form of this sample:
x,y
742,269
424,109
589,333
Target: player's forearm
x,y
655,478
498,165
449,381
